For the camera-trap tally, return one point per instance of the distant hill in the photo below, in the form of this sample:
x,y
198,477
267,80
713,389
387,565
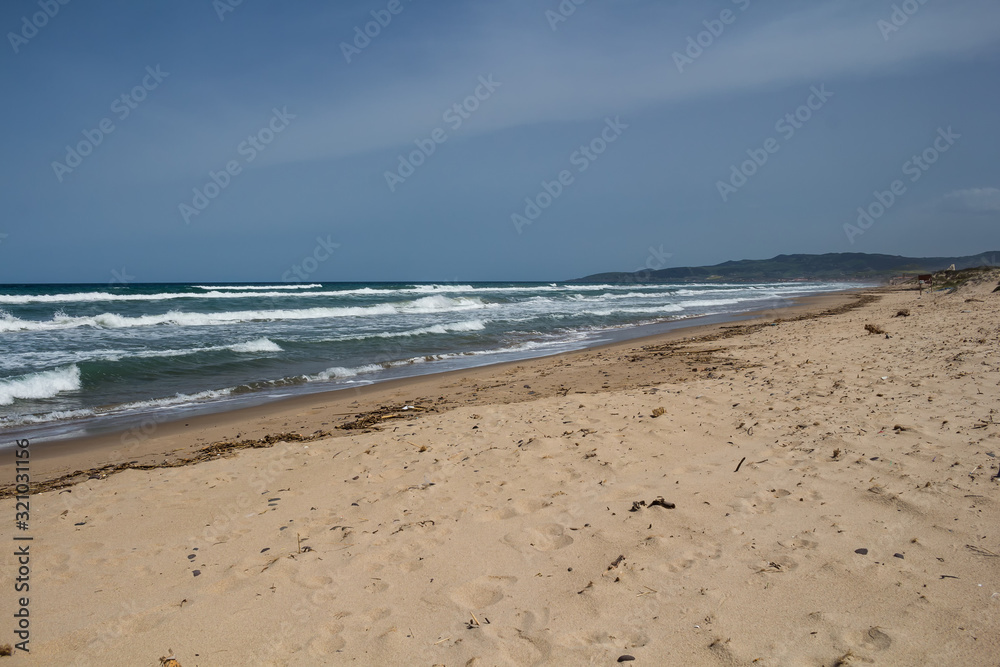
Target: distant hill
x,y
831,266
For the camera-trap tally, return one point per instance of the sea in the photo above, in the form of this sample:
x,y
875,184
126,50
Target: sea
x,y
86,359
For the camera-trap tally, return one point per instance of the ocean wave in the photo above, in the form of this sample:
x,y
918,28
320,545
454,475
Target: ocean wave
x,y
456,327
98,297
604,312
251,346
271,292
259,345
438,329
257,287
182,400
136,406
627,295
430,304
339,372
44,384
709,303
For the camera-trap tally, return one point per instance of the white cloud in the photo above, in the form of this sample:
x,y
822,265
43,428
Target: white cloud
x,y
585,73
975,200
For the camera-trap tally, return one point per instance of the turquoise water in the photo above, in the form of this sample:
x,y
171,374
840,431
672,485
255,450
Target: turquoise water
x,y
78,355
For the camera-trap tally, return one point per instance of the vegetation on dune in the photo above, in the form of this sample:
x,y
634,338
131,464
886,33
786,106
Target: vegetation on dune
x,y
831,266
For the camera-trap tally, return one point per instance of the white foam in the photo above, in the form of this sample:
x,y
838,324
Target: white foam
x,y
44,384
258,287
665,308
150,405
289,292
432,304
259,345
708,303
339,372
438,303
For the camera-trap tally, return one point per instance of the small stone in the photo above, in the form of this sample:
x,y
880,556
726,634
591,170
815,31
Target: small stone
x,y
863,552
899,556
196,573
626,658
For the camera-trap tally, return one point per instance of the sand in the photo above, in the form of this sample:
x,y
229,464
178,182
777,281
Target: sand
x,y
495,526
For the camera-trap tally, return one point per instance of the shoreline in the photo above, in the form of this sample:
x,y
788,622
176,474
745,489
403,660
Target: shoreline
x,y
176,441
815,487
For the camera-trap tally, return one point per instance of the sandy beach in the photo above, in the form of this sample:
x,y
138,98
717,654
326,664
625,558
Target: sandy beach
x,y
796,490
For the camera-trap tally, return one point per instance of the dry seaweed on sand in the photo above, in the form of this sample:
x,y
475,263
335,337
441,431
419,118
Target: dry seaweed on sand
x,y
382,414
209,452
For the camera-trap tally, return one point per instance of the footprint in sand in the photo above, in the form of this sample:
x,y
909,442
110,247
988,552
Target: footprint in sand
x,y
758,503
699,555
876,639
797,543
546,537
482,592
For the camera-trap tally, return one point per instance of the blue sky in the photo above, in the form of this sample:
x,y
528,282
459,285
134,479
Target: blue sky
x,y
645,140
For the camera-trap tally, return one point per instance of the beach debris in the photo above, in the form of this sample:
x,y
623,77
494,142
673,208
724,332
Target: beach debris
x,y
196,572
979,551
844,660
739,464
626,658
658,412
169,660
873,329
905,312
615,563
862,551
836,453
771,567
474,623
211,452
658,502
382,414
6,650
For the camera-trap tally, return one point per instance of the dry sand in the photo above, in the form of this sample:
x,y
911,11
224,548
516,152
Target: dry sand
x,y
860,528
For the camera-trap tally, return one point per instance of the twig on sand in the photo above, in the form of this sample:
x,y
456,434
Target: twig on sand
x,y
981,551
739,464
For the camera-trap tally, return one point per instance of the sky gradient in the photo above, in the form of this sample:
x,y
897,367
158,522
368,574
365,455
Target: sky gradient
x,y
508,140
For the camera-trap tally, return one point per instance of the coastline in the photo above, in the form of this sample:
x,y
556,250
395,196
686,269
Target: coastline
x,y
800,489
176,440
